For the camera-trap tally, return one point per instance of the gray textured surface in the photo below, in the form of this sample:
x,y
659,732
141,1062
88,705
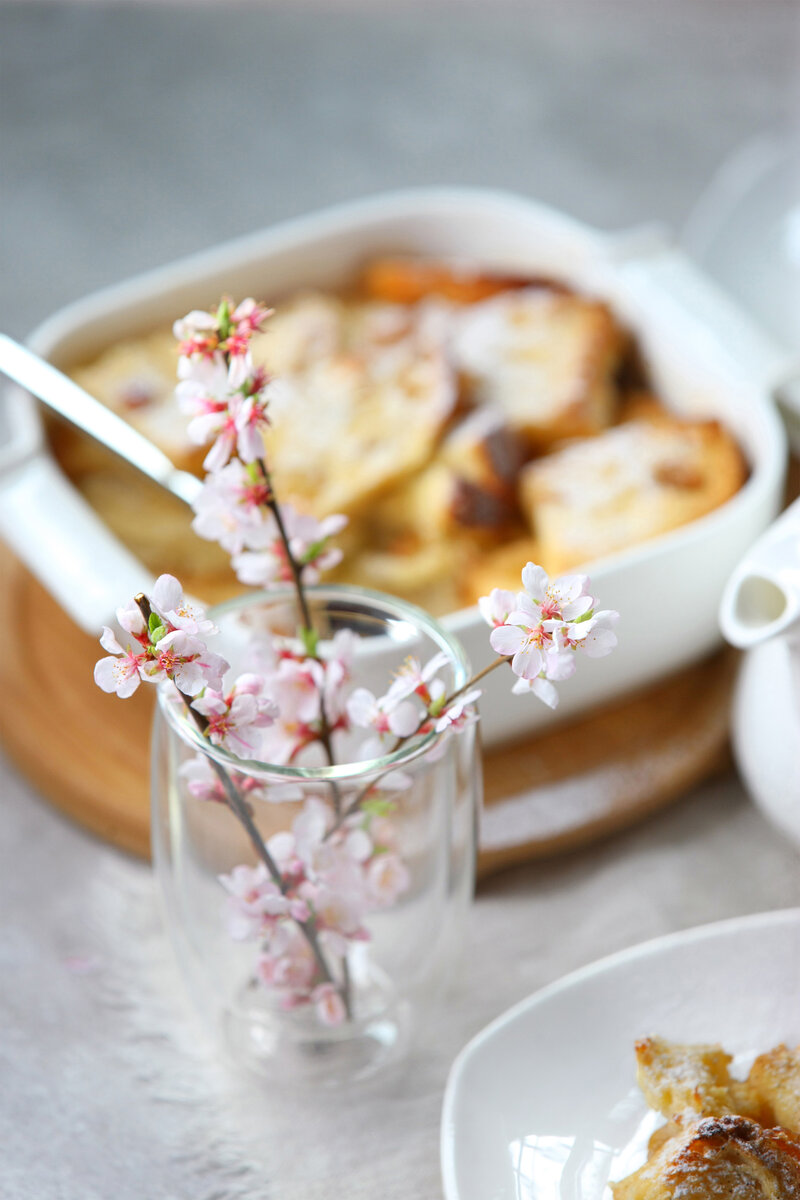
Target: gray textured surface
x,y
129,135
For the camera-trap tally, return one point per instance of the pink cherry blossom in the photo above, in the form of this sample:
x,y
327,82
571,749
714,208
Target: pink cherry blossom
x,y
231,507
218,426
203,389
235,720
458,714
387,878
337,656
282,848
130,618
250,410
294,686
253,897
524,640
188,662
332,877
358,844
385,714
548,622
123,671
196,322
329,1004
288,964
197,338
266,564
338,905
228,404
495,607
166,651
600,638
563,599
414,679
540,687
309,828
201,779
249,316
168,600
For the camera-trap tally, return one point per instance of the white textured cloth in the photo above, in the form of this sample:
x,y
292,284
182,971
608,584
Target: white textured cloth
x,y
110,1088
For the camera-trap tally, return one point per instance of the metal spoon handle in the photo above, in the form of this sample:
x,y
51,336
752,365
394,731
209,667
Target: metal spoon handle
x,y
71,402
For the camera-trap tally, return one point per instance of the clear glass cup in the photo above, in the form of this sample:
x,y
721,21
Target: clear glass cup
x,y
408,882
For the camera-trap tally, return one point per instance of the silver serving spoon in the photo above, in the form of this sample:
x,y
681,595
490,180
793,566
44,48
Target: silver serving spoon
x,y
71,402
44,519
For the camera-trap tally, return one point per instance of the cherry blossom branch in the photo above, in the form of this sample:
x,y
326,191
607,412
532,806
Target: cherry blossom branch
x,y
241,811
228,398
498,662
355,804
305,613
294,566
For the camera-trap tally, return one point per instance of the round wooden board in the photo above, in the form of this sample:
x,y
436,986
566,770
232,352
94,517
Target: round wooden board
x,y
88,752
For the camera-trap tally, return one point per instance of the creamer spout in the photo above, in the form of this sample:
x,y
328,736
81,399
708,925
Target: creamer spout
x,y
762,597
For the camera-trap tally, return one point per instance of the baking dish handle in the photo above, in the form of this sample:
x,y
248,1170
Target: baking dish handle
x,y
671,277
64,544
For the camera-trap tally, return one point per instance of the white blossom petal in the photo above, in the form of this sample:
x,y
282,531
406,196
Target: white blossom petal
x,y
507,639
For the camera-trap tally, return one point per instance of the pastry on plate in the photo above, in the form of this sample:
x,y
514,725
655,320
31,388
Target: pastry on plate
x,y
724,1137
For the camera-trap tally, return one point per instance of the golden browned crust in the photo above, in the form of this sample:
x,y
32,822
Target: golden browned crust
x,y
717,1157
409,280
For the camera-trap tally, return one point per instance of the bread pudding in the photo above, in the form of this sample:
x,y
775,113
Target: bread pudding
x,y
464,423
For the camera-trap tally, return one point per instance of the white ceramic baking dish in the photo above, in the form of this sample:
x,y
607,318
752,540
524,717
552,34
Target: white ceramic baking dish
x,y
705,358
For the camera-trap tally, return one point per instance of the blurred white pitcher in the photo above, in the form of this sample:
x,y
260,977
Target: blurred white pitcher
x,y
760,613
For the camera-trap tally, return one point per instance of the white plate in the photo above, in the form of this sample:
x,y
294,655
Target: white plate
x,y
543,1103
706,359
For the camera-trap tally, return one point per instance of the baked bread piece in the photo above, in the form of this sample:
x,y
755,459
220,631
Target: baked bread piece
x,y
346,431
627,485
775,1079
679,1079
545,360
136,379
308,328
364,400
484,450
438,504
719,1157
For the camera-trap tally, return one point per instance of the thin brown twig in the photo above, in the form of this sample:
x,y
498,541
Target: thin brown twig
x,y
307,620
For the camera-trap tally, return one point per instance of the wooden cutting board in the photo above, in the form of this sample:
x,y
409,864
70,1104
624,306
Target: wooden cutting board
x,y
88,752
